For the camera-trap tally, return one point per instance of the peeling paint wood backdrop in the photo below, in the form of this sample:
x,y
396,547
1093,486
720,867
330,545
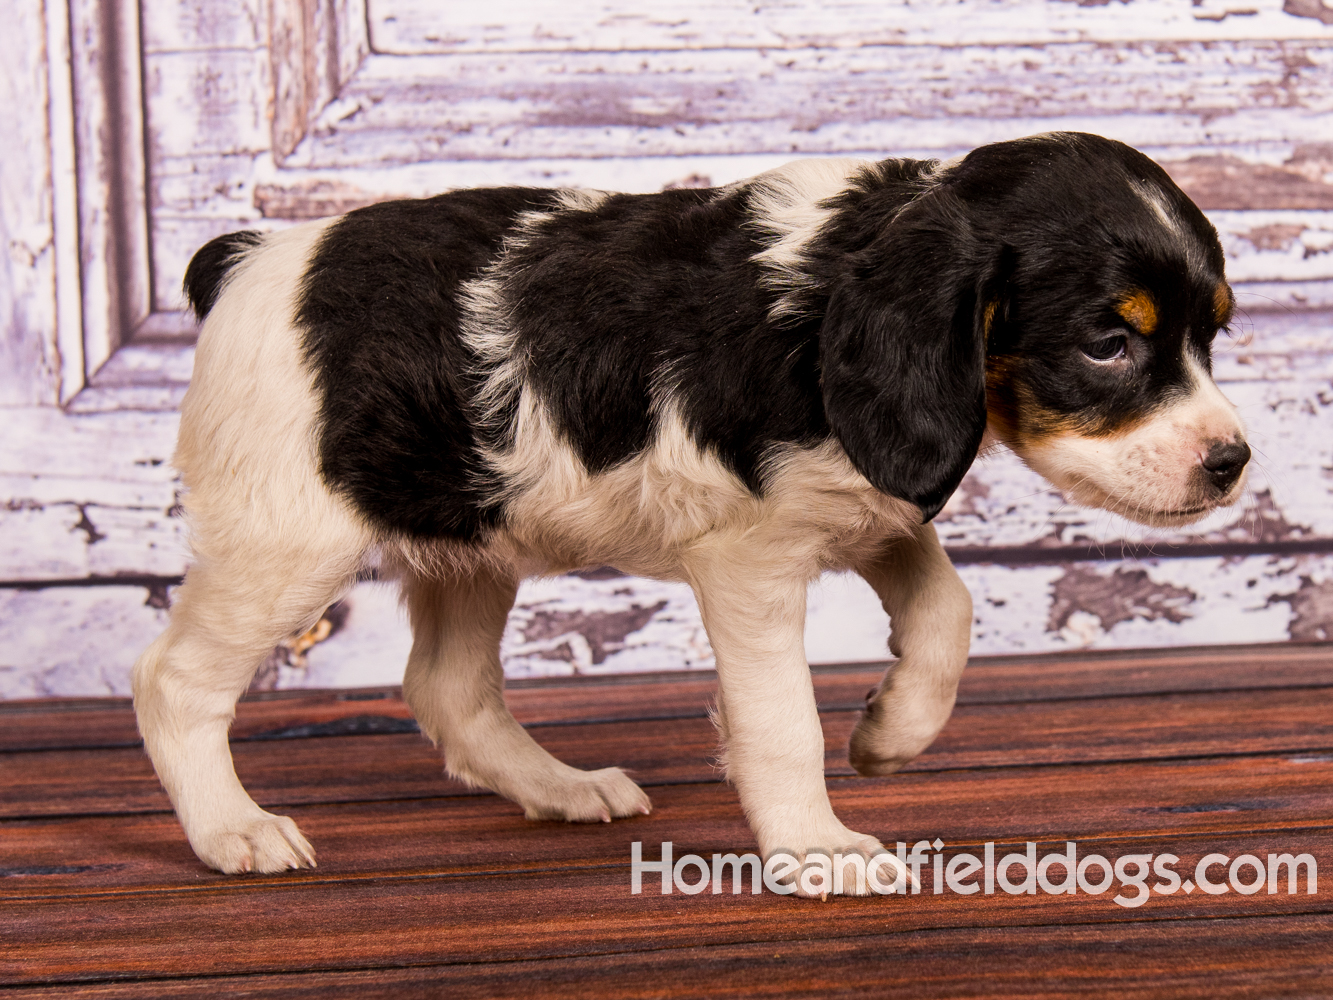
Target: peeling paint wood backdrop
x,y
133,133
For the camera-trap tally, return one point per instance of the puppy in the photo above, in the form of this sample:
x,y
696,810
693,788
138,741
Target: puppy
x,y
740,388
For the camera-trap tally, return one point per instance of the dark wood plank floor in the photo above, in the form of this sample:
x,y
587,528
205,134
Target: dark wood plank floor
x,y
427,888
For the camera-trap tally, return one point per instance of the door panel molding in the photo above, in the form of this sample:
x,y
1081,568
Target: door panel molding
x,y
110,166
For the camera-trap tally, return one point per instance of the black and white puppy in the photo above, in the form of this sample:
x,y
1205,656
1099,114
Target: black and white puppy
x,y
739,388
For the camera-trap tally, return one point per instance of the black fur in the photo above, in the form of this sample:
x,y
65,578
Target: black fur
x,y
658,295
926,288
1084,237
902,346
381,312
211,264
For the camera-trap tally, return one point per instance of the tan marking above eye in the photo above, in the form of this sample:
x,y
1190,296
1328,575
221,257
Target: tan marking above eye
x,y
989,316
1223,301
1139,311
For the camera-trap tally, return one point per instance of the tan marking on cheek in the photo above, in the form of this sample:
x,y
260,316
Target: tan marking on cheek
x,y
989,318
1140,312
1223,301
1019,418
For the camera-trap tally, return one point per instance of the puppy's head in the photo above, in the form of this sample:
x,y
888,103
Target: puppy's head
x,y
1071,293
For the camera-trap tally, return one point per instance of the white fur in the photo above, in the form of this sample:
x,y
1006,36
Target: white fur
x,y
1171,221
487,330
1160,208
1149,472
454,684
789,203
581,199
272,548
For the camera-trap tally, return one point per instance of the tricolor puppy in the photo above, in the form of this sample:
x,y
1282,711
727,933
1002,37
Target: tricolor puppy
x,y
739,388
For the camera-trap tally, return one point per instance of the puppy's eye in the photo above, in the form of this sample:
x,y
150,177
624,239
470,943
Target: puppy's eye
x,y
1108,349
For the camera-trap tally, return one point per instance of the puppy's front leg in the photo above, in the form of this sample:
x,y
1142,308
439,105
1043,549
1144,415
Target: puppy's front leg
x,y
773,743
931,614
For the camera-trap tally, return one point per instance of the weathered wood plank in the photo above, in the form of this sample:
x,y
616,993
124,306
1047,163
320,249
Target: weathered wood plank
x,y
519,26
210,101
1263,246
43,446
658,751
139,853
68,540
1235,182
1261,174
143,376
194,25
112,164
75,640
573,625
409,108
29,360
501,916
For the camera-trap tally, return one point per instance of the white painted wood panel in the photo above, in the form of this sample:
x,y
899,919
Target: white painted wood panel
x,y
513,26
573,626
29,356
208,102
413,97
717,102
203,25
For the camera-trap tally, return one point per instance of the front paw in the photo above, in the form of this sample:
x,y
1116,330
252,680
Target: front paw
x,y
893,732
263,843
857,865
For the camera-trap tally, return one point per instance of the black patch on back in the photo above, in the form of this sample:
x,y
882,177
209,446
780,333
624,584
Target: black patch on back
x,y
381,313
211,264
657,293
654,299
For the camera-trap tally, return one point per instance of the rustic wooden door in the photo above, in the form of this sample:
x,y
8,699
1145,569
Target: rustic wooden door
x,y
134,133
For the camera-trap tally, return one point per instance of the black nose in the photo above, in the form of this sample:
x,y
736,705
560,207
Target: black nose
x,y
1224,464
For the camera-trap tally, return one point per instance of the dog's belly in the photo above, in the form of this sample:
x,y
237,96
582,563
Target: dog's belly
x,y
648,515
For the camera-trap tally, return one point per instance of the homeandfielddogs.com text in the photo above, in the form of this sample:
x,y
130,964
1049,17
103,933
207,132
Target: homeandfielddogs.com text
x,y
1137,876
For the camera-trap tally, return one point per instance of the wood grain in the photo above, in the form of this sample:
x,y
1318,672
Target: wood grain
x,y
508,26
541,914
725,102
89,723
674,750
430,888
136,853
28,288
1213,959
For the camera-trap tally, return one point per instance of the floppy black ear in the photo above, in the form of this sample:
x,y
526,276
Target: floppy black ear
x,y
903,352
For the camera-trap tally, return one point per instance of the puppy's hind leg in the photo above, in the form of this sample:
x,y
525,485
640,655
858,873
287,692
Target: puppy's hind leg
x,y
454,684
225,618
931,613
